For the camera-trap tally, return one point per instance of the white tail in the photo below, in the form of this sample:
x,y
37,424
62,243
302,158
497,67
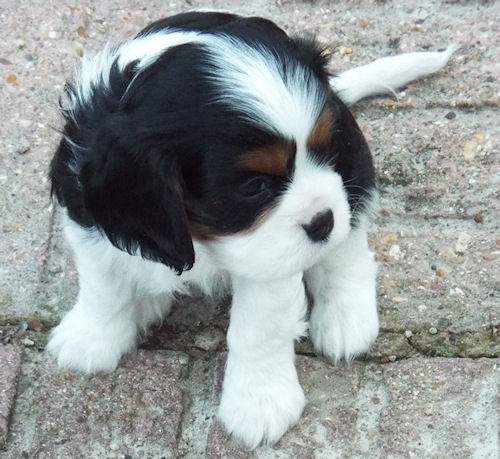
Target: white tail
x,y
388,74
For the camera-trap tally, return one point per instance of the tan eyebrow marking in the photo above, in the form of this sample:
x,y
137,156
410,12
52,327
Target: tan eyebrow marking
x,y
321,134
271,160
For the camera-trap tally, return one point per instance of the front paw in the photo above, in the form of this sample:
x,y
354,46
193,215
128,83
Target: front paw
x,y
260,413
342,332
89,347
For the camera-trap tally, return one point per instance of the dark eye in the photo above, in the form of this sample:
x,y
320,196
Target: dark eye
x,y
255,187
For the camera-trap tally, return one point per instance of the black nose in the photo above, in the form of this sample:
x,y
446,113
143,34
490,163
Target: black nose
x,y
320,227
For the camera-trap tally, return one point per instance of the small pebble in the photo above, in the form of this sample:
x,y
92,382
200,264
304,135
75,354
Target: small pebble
x,y
399,299
408,333
450,115
478,218
433,267
27,342
12,79
22,326
392,358
395,252
22,150
390,238
80,31
469,150
343,50
450,253
394,42
35,325
462,243
433,330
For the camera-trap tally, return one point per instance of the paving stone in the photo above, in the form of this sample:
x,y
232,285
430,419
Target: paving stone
x,y
327,425
418,407
429,167
59,281
445,280
135,410
472,73
441,408
10,365
29,111
201,400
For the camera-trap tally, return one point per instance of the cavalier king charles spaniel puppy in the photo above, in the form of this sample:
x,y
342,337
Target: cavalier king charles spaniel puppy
x,y
214,150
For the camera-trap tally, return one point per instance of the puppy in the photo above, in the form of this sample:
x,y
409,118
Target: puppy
x,y
213,149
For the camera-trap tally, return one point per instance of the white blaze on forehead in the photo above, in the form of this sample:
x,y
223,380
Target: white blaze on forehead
x,y
148,48
251,78
276,92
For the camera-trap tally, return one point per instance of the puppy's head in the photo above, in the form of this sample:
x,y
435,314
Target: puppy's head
x,y
229,136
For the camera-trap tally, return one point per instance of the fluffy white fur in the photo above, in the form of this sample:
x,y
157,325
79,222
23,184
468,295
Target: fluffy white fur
x,y
344,320
121,294
387,74
261,397
252,81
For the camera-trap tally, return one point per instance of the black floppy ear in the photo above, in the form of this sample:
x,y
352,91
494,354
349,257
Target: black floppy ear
x,y
353,160
136,199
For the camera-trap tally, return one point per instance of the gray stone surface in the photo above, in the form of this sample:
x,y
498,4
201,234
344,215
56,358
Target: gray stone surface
x,y
436,148
136,410
419,407
440,408
10,366
425,170
445,279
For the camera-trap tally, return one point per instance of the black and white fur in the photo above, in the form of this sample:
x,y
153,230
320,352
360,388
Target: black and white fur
x,y
151,171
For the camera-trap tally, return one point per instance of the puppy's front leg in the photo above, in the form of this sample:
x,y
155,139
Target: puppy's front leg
x,y
344,320
261,396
